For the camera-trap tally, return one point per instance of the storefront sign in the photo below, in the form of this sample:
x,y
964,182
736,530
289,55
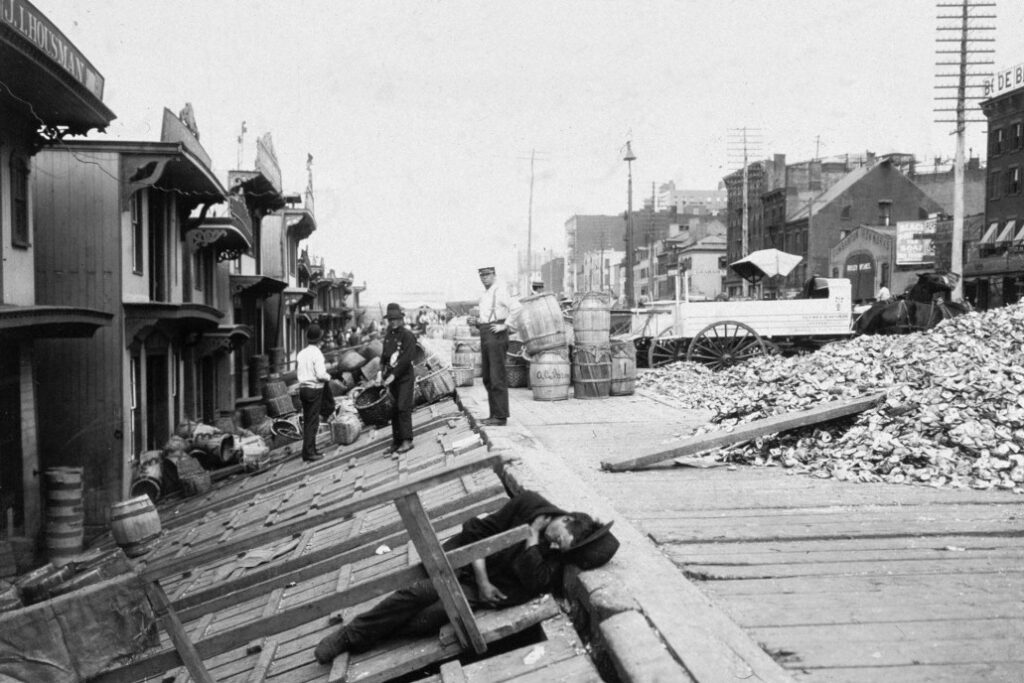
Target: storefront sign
x,y
1004,81
915,242
24,18
266,161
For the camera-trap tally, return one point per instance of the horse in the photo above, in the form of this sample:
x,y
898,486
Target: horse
x,y
923,307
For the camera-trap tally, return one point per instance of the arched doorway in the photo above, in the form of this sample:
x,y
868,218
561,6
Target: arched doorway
x,y
860,271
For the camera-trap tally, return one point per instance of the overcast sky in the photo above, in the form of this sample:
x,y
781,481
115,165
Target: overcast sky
x,y
421,116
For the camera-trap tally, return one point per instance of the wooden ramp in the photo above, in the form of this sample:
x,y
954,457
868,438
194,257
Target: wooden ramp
x,y
248,579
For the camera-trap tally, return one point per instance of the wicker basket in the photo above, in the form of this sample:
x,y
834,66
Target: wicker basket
x,y
463,376
282,405
516,376
436,385
374,406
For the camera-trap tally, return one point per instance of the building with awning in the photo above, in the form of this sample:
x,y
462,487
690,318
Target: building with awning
x,y
994,269
50,91
147,249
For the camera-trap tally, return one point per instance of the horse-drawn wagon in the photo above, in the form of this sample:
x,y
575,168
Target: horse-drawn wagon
x,y
721,333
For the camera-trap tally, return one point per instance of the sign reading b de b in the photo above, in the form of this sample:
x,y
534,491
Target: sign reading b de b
x,y
1004,81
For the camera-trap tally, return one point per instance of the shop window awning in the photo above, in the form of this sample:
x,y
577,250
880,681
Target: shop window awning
x,y
1006,235
224,339
228,235
1019,239
256,285
990,234
45,322
299,223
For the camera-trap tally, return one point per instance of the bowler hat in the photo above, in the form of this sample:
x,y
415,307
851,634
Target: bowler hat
x,y
394,311
593,550
314,333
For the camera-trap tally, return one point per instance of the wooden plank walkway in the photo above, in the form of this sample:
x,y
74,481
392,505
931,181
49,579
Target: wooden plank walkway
x,y
352,561
839,582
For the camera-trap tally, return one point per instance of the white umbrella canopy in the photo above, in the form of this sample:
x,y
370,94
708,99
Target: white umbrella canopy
x,y
765,263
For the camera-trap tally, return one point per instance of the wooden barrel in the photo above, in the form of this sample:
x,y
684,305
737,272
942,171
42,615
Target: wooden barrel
x,y
623,368
592,371
592,319
371,349
466,354
135,525
540,323
64,533
550,374
218,449
149,481
350,360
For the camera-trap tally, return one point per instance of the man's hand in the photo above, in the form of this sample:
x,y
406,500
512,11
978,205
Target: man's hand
x,y
498,327
537,527
489,594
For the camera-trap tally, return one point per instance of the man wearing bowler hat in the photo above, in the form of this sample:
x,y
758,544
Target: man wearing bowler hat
x,y
311,373
498,312
509,577
399,376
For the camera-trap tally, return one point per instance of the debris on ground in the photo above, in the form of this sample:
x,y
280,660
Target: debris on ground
x,y
953,416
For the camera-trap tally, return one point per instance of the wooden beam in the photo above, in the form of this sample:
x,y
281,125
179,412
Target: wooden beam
x,y
744,432
311,611
184,647
424,538
425,479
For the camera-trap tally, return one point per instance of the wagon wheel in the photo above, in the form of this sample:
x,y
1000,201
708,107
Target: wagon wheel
x,y
725,343
664,349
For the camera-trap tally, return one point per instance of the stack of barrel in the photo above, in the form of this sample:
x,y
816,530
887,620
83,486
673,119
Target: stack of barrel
x,y
601,366
544,345
64,516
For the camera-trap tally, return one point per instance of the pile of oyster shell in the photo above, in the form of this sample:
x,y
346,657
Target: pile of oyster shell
x,y
953,413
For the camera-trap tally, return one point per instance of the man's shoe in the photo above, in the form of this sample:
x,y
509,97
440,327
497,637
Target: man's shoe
x,y
405,447
331,646
313,458
494,422
392,448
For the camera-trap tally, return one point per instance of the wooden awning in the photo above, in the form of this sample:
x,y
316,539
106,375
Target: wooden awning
x,y
230,235
44,322
169,317
299,222
224,339
256,285
298,296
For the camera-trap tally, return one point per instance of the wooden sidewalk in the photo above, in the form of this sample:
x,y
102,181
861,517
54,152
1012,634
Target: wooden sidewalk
x,y
838,582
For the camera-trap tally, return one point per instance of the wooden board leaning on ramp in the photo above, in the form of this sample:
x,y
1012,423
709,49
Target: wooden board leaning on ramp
x,y
771,425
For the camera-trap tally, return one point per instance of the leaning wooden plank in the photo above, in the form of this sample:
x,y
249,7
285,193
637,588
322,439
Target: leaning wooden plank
x,y
402,658
424,538
301,568
316,609
422,480
184,647
743,432
451,672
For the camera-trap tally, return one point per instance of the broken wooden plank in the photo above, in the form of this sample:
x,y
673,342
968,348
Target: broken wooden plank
x,y
424,538
425,479
744,432
176,632
308,612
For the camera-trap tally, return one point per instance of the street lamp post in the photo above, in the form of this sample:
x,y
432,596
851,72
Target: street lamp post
x,y
629,159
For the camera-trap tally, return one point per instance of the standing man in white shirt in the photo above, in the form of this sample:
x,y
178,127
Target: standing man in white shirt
x,y
311,373
498,312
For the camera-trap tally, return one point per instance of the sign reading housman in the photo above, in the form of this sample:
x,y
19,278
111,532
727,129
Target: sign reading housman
x,y
915,242
1004,81
23,17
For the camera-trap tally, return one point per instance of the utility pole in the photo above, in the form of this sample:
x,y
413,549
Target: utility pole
x,y
650,248
629,158
965,53
529,225
741,144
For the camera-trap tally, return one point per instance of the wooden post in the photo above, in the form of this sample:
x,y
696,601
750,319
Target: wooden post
x,y
410,507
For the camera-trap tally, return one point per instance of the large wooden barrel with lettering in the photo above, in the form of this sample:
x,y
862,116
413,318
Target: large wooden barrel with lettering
x,y
550,375
64,533
135,525
623,368
592,319
540,323
591,371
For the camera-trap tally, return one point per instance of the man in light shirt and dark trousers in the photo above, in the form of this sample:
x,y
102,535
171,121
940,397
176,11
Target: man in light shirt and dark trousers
x,y
498,312
311,373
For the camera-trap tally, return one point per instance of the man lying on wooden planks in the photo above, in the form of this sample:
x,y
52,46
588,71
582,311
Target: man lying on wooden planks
x,y
510,577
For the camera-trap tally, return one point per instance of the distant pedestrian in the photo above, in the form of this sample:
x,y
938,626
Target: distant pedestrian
x,y
311,373
498,311
883,293
398,375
